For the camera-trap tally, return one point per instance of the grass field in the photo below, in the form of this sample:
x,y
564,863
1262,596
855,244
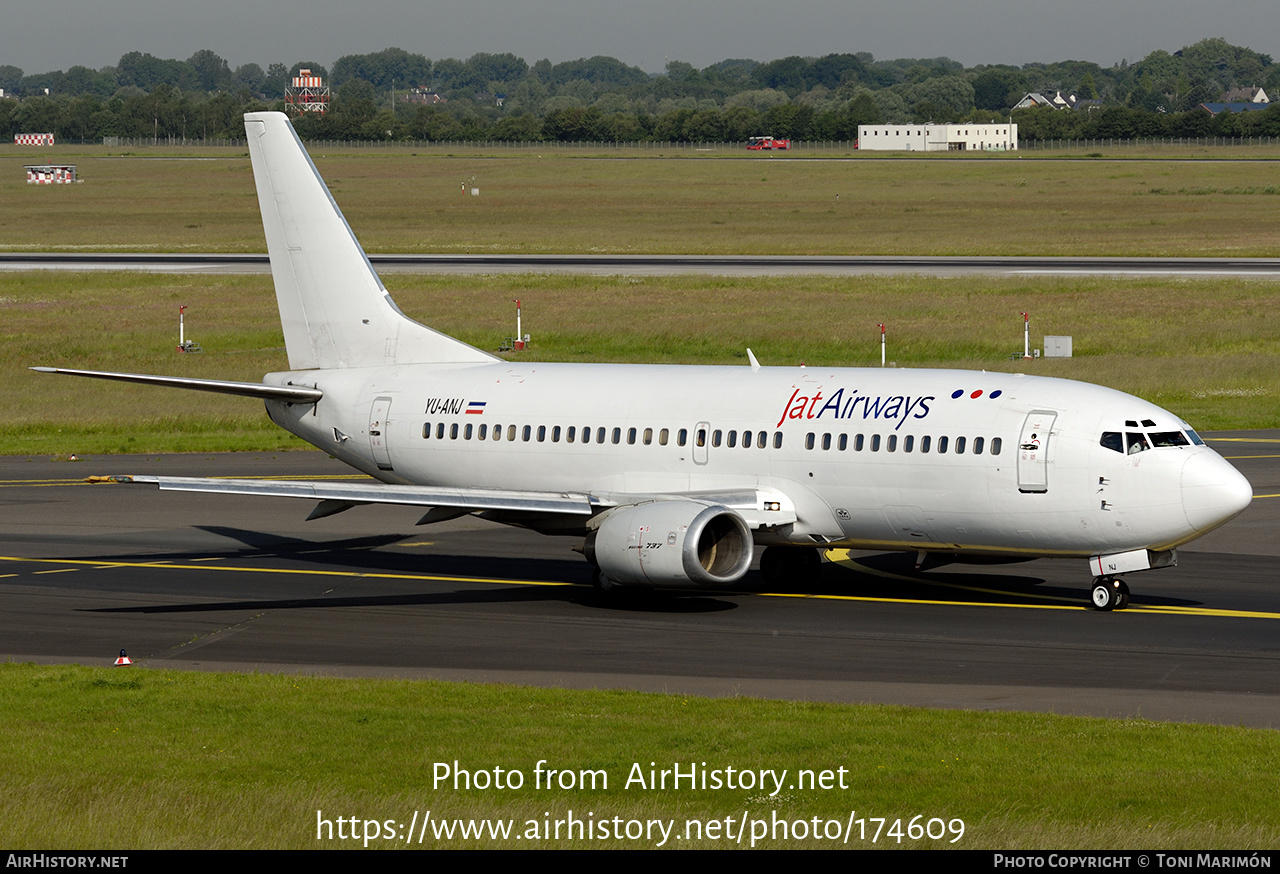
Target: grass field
x,y
136,758
674,203
1213,363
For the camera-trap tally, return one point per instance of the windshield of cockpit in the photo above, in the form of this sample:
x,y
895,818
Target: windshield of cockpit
x,y
1142,435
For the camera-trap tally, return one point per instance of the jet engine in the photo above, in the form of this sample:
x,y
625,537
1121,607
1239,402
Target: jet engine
x,y
670,543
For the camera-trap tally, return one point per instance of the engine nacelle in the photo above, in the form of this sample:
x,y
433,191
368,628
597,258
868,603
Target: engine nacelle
x,y
671,543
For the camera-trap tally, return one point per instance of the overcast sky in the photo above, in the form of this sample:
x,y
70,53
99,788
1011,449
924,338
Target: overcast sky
x,y
56,34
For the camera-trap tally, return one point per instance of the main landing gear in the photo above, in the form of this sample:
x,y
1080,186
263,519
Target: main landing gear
x,y
1109,593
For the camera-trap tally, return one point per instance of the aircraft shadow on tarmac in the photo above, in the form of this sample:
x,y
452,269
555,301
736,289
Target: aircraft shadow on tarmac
x,y
363,555
894,575
887,576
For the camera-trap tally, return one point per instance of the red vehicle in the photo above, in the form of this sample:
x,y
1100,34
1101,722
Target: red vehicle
x,y
764,144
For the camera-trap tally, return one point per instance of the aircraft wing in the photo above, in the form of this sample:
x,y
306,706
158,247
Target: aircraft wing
x,y
346,495
758,507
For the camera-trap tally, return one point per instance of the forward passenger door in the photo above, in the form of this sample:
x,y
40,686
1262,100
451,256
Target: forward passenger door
x,y
1033,451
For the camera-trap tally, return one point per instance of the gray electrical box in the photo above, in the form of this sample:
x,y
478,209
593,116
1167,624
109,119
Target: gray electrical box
x,y
1057,347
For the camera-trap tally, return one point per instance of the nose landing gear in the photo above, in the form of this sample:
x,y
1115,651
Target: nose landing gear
x,y
1109,593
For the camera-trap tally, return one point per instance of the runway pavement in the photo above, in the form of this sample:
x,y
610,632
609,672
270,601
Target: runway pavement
x,y
218,582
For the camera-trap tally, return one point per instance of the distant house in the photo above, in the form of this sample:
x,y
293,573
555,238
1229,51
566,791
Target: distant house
x,y
424,96
1034,99
1245,95
1218,108
1057,101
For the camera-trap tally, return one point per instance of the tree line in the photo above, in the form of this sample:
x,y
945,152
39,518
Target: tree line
x,y
501,97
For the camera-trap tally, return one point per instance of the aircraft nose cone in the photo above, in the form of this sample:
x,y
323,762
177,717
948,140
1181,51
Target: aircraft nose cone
x,y
1212,491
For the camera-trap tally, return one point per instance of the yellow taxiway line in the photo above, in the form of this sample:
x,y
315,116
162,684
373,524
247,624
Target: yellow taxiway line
x,y
850,564
263,570
1242,439
45,483
844,562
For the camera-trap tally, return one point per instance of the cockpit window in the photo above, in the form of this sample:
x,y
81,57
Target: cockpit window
x,y
1147,423
1168,438
1113,441
1137,442
1195,438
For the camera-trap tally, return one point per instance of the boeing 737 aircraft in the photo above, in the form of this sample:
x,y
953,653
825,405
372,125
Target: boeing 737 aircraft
x,y
673,476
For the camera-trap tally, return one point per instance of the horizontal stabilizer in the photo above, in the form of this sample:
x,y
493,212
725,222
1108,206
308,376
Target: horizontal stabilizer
x,y
291,393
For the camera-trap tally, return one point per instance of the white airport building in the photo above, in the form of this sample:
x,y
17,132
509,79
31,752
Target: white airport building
x,y
938,137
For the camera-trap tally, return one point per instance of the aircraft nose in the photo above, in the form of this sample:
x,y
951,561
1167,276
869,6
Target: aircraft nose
x,y
1212,491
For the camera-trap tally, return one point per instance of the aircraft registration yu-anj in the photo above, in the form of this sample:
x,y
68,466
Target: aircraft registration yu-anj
x,y
674,476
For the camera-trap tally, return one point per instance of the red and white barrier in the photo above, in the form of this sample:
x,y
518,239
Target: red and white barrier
x,y
50,174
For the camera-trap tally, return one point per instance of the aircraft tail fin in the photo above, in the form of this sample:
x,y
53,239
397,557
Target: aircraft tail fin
x,y
334,309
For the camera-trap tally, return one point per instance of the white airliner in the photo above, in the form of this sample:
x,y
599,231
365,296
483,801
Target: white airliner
x,y
674,475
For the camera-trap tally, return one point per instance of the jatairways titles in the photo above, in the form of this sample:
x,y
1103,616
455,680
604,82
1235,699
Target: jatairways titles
x,y
898,407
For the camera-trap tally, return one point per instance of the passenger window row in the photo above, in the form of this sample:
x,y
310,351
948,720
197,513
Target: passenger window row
x,y
552,433
745,439
573,434
907,443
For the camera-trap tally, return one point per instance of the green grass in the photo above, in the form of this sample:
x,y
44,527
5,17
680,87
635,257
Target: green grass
x,y
102,321
642,201
136,758
1206,349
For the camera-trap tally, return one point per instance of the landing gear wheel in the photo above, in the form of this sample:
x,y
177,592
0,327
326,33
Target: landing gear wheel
x,y
1122,601
1109,594
790,566
602,584
1103,598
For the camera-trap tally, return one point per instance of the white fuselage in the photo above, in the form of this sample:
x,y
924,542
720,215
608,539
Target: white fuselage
x,y
931,460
